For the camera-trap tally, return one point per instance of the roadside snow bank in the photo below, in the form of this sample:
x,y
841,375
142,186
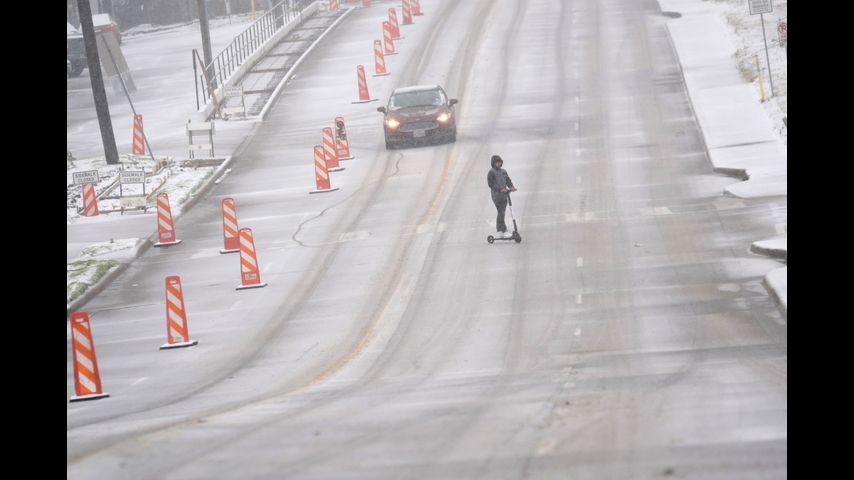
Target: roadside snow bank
x,y
95,263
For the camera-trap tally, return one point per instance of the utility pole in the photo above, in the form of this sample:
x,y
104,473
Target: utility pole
x,y
206,34
102,107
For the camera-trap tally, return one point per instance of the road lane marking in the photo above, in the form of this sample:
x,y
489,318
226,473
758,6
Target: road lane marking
x,y
580,261
139,381
236,304
578,180
267,267
578,299
578,332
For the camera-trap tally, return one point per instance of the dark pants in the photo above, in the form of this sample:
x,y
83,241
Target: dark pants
x,y
500,201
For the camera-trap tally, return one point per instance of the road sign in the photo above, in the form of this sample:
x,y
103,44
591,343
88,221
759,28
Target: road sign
x,y
759,6
88,176
132,176
782,30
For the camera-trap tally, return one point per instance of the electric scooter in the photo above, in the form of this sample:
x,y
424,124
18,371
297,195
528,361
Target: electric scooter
x,y
515,236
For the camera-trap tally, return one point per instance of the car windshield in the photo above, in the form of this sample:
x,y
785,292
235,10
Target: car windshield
x,y
417,99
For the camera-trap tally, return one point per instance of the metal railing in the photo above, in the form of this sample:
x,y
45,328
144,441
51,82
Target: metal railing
x,y
242,47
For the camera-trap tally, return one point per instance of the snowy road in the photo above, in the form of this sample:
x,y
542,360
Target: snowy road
x,y
627,336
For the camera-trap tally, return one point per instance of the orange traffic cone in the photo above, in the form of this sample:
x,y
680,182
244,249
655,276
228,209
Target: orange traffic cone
x,y
407,13
231,240
90,200
364,96
342,144
87,378
138,139
379,60
321,175
250,275
165,227
176,316
329,152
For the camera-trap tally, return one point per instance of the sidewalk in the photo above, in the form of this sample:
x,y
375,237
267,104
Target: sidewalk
x,y
739,135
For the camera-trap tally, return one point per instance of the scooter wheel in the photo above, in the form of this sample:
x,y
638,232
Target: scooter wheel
x,y
490,239
517,237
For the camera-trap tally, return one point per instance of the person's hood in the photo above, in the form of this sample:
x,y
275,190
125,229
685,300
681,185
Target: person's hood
x,y
495,158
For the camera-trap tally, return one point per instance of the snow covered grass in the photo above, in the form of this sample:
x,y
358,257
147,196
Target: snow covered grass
x,y
82,274
180,181
95,261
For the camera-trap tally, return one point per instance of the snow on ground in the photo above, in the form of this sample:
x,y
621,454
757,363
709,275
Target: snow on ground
x,y
718,44
746,34
96,261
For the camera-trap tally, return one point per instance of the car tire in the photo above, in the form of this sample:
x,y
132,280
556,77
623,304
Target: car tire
x,y
452,138
389,145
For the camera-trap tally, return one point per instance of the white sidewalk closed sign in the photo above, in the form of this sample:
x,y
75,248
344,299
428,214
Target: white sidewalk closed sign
x,y
760,6
89,176
132,176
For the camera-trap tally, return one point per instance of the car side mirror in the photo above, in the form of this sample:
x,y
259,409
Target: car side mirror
x,y
382,110
453,101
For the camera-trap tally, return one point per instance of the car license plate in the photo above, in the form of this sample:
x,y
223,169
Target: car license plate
x,y
419,133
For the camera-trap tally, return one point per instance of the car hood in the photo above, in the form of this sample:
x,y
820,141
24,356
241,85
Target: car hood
x,y
418,113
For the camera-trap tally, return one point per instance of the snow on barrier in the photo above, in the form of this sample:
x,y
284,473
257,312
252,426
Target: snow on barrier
x,y
321,175
379,60
87,378
342,143
177,332
364,96
230,237
329,152
250,275
138,139
165,226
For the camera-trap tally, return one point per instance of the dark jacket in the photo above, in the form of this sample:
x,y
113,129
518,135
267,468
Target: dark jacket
x,y
498,179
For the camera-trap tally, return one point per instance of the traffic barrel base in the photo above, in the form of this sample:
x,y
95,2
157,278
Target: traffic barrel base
x,y
167,346
323,191
83,398
166,244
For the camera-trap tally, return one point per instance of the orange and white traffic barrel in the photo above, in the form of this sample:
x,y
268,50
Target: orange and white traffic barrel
x,y
333,5
230,237
407,13
416,8
90,200
379,60
395,27
329,151
364,96
138,139
165,226
321,175
388,41
177,332
342,143
87,378
250,274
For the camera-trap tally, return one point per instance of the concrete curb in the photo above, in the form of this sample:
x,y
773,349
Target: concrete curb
x,y
782,305
779,253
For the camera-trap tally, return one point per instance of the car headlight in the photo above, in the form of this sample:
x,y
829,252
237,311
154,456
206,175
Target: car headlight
x,y
392,123
444,117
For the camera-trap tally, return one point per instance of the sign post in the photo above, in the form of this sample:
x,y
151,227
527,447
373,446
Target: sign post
x,y
761,7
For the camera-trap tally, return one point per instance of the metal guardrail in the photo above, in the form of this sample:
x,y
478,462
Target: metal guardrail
x,y
242,47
